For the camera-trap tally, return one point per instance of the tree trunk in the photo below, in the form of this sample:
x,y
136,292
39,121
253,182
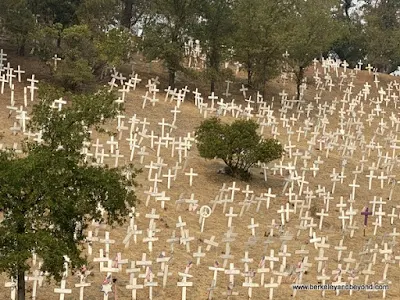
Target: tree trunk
x,y
171,78
127,14
249,76
212,87
21,284
21,47
59,40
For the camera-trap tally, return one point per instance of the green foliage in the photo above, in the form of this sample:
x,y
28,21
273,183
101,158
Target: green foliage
x,y
79,54
81,32
54,11
114,47
260,38
215,31
237,144
351,46
165,34
49,194
77,42
134,11
45,40
382,31
17,20
99,15
74,75
87,55
310,21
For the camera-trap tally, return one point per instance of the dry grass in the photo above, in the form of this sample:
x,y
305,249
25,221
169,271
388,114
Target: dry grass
x,y
206,186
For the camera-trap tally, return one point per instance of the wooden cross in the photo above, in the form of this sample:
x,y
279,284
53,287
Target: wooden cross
x,y
271,286
191,174
216,269
368,272
133,285
172,240
56,59
198,255
272,259
62,290
249,283
366,213
253,227
184,284
32,86
232,272
144,263
81,285
150,283
107,241
131,231
323,277
230,215
13,286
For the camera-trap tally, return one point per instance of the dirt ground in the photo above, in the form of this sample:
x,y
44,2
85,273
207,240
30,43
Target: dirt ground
x,y
206,187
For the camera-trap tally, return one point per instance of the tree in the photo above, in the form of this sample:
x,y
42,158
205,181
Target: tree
x,y
215,31
351,45
87,55
382,30
237,144
346,5
18,21
259,38
49,194
314,30
50,12
134,11
165,34
99,15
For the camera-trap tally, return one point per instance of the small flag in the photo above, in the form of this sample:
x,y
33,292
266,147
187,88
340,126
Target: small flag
x,y
262,262
148,273
107,279
189,265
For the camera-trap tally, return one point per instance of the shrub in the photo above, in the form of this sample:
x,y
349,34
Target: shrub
x,y
237,144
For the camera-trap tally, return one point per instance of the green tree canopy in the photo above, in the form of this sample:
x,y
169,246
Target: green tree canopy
x,y
313,32
382,31
164,35
237,144
18,21
260,38
49,193
215,30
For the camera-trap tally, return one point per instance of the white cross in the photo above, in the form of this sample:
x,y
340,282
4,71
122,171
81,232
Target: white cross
x,y
56,59
81,285
62,290
191,174
19,72
32,86
3,58
107,241
184,284
230,215
13,286
243,90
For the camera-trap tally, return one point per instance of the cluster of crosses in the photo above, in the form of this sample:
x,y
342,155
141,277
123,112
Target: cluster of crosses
x,y
350,141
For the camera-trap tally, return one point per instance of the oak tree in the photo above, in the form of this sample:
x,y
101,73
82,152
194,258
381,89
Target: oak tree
x,y
237,144
49,193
